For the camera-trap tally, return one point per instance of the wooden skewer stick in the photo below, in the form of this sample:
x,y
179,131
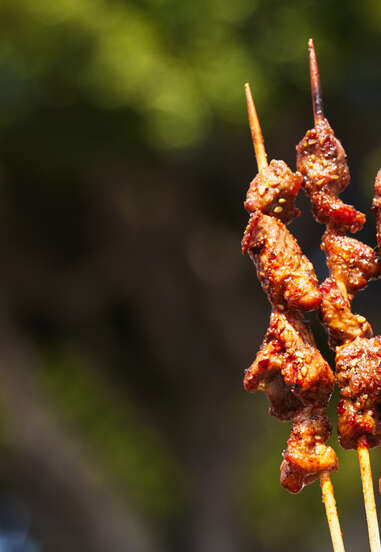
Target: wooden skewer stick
x,y
331,512
362,446
367,487
317,99
325,480
256,132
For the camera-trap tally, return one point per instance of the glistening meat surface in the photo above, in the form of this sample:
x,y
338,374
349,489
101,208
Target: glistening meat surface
x,y
358,373
322,161
286,275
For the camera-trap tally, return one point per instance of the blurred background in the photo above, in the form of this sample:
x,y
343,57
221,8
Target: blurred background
x,y
127,313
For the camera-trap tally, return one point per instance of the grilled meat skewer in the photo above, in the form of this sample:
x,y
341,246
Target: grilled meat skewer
x,y
321,160
288,367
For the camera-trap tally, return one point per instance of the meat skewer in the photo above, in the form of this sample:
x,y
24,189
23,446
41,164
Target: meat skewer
x,y
322,162
289,367
376,207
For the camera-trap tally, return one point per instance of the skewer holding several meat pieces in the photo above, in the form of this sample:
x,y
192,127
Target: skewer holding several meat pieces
x,y
288,367
352,264
376,207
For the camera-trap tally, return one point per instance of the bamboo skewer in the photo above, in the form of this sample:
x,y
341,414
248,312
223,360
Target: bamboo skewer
x,y
256,131
362,445
331,512
367,487
325,480
317,99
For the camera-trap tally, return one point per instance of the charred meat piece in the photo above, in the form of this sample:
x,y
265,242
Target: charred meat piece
x,y
358,374
376,207
335,311
273,191
307,455
289,349
265,375
322,161
330,210
298,383
286,275
283,403
304,369
350,261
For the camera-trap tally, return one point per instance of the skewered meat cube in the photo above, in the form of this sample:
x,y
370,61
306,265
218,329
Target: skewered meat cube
x,y
350,261
273,192
322,161
335,311
289,348
307,455
286,275
358,374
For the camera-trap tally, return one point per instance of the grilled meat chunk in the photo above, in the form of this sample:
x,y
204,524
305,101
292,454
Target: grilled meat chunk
x,y
286,275
322,161
273,192
358,374
307,455
350,261
331,210
298,383
283,403
289,349
335,312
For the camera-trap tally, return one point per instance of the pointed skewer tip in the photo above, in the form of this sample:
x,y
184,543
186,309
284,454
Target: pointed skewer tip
x,y
255,128
317,100
369,501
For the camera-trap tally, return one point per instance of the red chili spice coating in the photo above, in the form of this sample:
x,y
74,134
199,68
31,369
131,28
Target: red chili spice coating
x,y
321,160
358,374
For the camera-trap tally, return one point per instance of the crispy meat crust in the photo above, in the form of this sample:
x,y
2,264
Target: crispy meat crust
x,y
286,275
307,455
352,264
335,312
358,374
350,261
298,383
289,349
322,161
273,192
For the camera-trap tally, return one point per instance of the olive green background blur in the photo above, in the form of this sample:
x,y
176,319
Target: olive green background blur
x,y
127,313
